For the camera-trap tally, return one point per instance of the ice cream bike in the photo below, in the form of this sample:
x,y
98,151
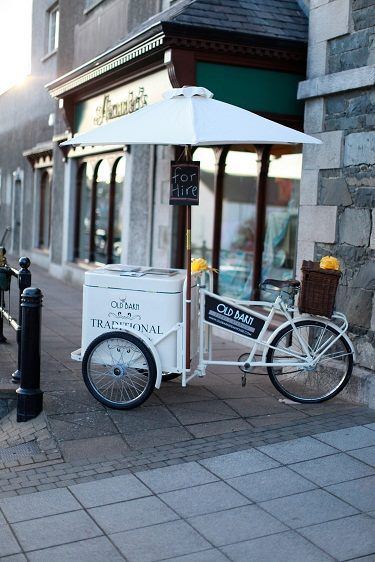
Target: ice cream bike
x,y
143,325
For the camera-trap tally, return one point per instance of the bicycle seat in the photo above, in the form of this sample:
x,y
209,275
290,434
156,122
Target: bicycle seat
x,y
279,284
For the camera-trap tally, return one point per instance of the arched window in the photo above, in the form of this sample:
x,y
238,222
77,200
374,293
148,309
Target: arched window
x,y
98,225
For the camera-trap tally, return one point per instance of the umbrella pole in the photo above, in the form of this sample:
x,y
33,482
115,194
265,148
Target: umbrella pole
x,y
188,270
188,284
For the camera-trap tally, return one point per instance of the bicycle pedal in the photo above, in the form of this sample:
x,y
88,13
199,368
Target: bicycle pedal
x,y
243,380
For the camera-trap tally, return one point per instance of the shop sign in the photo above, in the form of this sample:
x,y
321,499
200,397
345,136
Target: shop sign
x,y
108,109
120,101
184,189
225,315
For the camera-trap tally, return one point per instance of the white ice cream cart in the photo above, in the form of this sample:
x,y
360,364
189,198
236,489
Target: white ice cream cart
x,y
133,331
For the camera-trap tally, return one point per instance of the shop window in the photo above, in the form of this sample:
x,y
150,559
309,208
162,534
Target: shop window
x,y
44,230
238,224
98,224
282,201
202,216
53,22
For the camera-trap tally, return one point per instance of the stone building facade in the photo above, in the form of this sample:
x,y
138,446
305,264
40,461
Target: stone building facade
x,y
337,214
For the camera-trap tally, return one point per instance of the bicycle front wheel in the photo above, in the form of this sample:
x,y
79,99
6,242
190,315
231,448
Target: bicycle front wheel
x,y
322,380
119,370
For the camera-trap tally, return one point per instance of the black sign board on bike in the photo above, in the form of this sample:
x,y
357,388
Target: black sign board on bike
x,y
225,315
184,189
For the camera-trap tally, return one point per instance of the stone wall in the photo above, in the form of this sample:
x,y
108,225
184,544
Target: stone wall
x,y
338,186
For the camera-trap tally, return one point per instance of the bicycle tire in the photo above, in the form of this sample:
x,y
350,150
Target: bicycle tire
x,y
115,380
311,385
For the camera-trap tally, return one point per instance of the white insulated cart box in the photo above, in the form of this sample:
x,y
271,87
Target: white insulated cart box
x,y
148,300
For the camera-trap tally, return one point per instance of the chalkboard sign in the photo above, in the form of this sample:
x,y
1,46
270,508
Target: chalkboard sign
x,y
184,183
221,313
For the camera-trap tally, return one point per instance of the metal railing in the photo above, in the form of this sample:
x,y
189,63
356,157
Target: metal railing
x,y
28,331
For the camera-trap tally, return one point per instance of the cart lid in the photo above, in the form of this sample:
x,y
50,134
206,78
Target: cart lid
x,y
135,278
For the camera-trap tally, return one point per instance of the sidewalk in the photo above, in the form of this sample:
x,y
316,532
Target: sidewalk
x,y
212,469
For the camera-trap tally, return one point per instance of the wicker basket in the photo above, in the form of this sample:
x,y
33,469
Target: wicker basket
x,y
318,290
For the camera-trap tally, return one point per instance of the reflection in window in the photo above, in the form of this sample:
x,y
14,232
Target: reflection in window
x,y
45,211
281,217
117,218
238,224
85,180
103,179
202,216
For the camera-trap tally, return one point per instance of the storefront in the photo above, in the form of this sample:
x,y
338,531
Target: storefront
x,y
246,222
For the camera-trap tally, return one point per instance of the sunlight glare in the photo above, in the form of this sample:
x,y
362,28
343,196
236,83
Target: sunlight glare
x,y
15,42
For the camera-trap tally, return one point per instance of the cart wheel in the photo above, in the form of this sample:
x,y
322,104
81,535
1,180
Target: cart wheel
x,y
119,370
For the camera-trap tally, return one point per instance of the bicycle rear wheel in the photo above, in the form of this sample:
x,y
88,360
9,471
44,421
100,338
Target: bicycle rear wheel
x,y
317,383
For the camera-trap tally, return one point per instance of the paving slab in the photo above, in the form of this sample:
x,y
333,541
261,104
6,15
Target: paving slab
x,y
8,542
159,542
90,550
349,438
55,530
109,490
308,508
202,412
235,525
282,547
367,455
142,418
147,438
176,477
297,450
344,539
207,498
82,425
239,463
271,484
359,493
94,449
332,469
41,504
132,514
251,407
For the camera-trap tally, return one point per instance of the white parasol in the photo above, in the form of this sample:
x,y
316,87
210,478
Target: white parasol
x,y
188,117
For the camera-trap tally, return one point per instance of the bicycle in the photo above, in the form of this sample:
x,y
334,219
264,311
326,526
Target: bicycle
x,y
309,359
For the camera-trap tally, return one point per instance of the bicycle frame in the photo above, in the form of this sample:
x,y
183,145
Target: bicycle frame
x,y
306,361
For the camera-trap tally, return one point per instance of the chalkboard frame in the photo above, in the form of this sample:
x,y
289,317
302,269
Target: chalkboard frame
x,y
188,168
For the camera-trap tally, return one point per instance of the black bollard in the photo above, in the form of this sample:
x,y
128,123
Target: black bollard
x,y
29,395
3,262
24,281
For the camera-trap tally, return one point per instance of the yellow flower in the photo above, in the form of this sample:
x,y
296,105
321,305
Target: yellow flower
x,y
330,262
199,264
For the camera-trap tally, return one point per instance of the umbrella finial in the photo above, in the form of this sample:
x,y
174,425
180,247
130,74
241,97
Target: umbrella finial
x,y
188,92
